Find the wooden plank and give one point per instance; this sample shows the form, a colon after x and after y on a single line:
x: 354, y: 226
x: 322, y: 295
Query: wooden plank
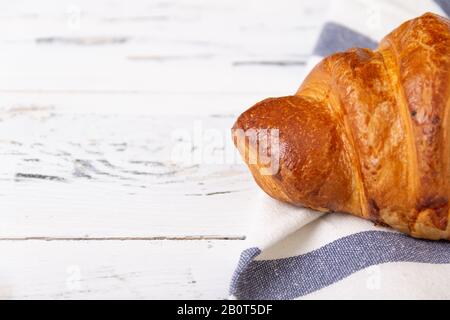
x: 214, y: 104
x: 117, y: 269
x: 191, y: 47
x: 97, y: 175
x: 66, y: 74
x: 229, y: 23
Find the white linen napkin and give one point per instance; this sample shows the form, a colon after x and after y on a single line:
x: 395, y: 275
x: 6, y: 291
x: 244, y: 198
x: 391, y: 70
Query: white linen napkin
x: 298, y: 253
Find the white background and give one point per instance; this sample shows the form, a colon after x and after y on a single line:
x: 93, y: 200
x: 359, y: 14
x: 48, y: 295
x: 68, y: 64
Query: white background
x: 96, y: 100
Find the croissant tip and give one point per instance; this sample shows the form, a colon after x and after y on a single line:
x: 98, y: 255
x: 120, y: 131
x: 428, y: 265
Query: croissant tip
x: 430, y: 15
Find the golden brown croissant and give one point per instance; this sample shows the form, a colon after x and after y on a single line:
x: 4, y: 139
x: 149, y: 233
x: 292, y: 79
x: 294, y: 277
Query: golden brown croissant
x: 367, y: 133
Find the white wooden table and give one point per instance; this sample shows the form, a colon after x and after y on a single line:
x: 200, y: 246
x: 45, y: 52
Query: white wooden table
x: 110, y: 186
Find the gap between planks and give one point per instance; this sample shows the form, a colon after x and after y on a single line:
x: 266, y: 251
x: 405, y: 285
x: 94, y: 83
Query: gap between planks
x: 152, y: 238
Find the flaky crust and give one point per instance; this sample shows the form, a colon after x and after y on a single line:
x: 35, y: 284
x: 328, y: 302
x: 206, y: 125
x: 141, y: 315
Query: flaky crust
x: 367, y: 133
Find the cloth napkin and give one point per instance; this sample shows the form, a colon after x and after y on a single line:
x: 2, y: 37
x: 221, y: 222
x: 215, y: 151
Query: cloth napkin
x: 297, y: 253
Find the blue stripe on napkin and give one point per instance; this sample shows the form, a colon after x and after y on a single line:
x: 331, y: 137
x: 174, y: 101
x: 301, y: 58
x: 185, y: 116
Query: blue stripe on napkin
x: 293, y: 277
x: 335, y: 37
x: 445, y: 5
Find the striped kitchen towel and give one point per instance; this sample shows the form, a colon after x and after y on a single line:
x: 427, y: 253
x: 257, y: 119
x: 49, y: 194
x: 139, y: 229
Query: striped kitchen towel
x: 297, y: 253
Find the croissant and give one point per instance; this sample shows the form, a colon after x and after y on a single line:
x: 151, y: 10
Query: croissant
x: 367, y: 133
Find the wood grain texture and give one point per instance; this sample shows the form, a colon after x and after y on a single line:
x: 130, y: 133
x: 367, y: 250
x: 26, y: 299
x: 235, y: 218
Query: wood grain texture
x: 98, y: 176
x: 117, y: 269
x: 95, y: 96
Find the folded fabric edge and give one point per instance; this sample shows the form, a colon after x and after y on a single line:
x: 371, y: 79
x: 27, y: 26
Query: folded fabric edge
x: 294, y: 277
x: 273, y: 221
